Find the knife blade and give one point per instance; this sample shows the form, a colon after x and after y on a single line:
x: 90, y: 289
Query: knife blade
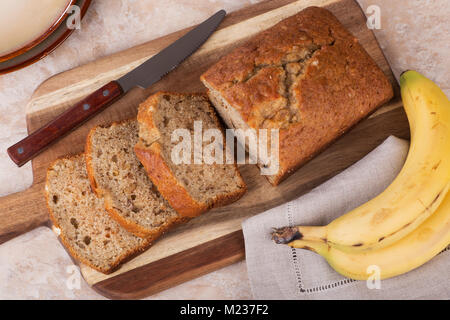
x: 148, y: 73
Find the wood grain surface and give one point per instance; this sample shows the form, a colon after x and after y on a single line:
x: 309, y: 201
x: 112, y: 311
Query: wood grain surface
x: 214, y: 239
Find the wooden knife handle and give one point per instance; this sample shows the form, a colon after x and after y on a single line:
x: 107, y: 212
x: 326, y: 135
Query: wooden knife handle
x: 35, y: 143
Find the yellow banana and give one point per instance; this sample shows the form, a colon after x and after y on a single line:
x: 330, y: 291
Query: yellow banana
x: 412, y: 251
x: 416, y: 192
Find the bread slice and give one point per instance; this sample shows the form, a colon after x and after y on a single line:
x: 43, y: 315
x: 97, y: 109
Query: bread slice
x: 80, y: 219
x: 307, y: 77
x: 117, y: 176
x: 191, y: 189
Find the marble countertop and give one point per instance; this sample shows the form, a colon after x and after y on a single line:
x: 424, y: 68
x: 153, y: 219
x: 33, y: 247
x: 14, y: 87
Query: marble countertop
x: 414, y: 34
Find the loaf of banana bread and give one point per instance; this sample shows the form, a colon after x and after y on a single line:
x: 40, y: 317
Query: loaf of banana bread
x: 307, y: 76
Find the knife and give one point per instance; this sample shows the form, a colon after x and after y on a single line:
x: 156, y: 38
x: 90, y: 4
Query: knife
x: 143, y: 76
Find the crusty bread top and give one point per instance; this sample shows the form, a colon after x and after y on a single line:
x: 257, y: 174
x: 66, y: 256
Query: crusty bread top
x: 307, y: 76
x: 335, y: 70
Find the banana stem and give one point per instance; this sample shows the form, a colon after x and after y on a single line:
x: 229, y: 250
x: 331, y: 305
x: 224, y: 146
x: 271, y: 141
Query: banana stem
x: 285, y: 235
x: 289, y: 234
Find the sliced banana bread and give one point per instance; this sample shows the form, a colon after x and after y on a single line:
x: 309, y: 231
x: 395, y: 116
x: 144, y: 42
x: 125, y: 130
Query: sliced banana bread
x: 80, y: 219
x: 117, y: 176
x: 190, y: 188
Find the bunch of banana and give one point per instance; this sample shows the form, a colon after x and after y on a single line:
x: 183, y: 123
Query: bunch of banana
x: 407, y: 224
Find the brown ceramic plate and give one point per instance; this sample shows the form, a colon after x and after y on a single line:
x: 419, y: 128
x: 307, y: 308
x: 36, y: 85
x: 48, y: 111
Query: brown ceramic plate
x: 51, y: 40
x: 34, y: 42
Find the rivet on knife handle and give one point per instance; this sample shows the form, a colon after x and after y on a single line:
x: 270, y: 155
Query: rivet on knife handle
x: 28, y: 148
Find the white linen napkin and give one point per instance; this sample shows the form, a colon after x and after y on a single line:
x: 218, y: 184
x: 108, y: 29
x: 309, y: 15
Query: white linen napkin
x: 280, y: 272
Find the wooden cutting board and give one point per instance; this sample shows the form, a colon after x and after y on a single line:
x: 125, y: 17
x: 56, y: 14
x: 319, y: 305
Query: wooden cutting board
x: 215, y: 239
